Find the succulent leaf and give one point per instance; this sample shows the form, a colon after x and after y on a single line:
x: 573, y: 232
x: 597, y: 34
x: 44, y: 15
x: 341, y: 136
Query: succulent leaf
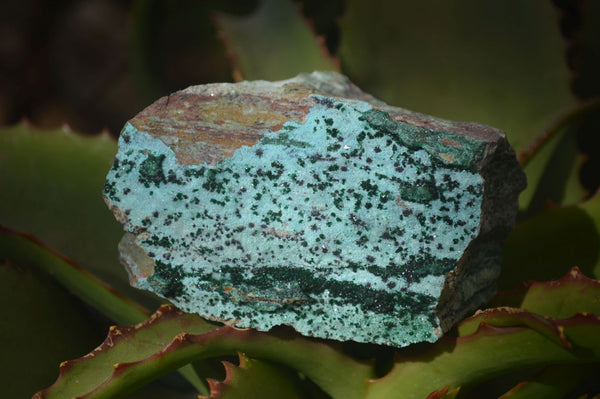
x: 479, y: 74
x: 167, y: 37
x: 122, y: 347
x: 401, y: 72
x: 444, y: 393
x: 274, y: 42
x: 511, y: 317
x: 553, y: 382
x: 549, y: 244
x: 131, y: 356
x: 573, y: 293
x: 255, y: 378
x: 26, y: 250
x: 458, y: 361
x: 51, y: 184
x: 51, y: 188
x: 552, y: 165
x: 42, y: 324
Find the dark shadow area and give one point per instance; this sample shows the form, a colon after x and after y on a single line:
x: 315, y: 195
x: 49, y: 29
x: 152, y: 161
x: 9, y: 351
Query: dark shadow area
x: 546, y: 246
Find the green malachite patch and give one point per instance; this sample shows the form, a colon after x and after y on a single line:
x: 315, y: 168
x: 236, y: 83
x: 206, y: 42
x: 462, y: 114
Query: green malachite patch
x: 344, y: 223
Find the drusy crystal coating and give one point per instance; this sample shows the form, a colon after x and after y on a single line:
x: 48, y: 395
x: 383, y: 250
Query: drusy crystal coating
x: 309, y: 203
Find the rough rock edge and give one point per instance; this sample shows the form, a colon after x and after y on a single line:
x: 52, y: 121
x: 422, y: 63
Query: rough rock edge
x: 480, y: 264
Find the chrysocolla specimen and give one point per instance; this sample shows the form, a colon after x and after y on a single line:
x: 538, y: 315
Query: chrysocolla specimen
x: 309, y: 203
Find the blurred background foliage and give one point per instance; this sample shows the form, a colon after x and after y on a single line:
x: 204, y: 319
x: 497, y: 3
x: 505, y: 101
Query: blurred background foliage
x: 94, y: 64
x: 529, y: 68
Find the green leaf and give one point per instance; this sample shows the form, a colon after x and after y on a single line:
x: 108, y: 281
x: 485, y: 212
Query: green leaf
x: 548, y: 245
x: 459, y: 362
x: 553, y: 161
x: 563, y: 336
x: 500, y: 64
x: 273, y: 43
x: 51, y: 184
x: 124, y: 345
x: 26, y: 250
x: 52, y: 187
x: 41, y: 326
x: 511, y: 317
x: 174, y: 45
x: 574, y: 293
x: 444, y: 393
x: 132, y: 356
x: 255, y: 378
x: 554, y: 382
x: 553, y: 174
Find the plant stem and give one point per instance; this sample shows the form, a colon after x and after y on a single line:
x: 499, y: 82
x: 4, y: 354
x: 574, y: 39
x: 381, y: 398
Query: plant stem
x: 574, y: 113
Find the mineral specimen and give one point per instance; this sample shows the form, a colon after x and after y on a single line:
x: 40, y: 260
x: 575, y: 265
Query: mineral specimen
x: 309, y: 203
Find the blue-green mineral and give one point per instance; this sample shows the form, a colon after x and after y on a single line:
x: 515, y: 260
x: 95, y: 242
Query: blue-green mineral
x: 309, y: 203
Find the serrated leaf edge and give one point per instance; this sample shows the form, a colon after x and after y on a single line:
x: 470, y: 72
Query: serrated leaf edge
x: 444, y: 393
x: 180, y: 341
x: 216, y: 386
x: 487, y: 330
x: 237, y: 74
x: 573, y: 276
x: 514, y: 317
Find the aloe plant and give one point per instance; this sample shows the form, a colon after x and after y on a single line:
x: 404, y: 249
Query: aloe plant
x: 537, y: 338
